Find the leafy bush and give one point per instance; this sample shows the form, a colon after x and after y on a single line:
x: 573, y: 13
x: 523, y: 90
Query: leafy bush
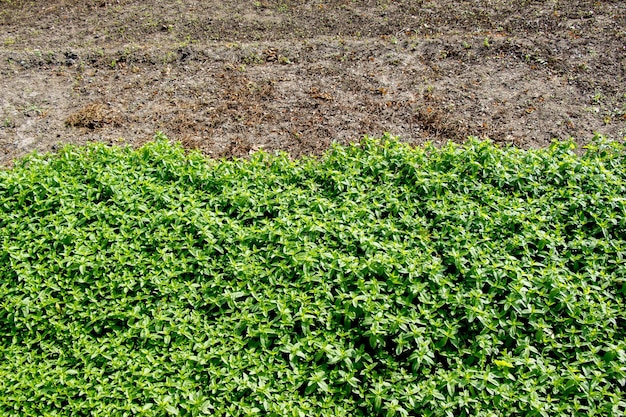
x: 380, y: 280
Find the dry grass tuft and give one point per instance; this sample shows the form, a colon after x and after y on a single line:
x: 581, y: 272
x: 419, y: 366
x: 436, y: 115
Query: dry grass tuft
x: 93, y: 116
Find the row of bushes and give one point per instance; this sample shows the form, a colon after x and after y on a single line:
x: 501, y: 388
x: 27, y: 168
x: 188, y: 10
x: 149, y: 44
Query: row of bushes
x: 378, y: 280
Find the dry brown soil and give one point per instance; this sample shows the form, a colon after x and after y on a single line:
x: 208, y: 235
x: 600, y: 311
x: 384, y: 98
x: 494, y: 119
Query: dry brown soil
x: 231, y: 77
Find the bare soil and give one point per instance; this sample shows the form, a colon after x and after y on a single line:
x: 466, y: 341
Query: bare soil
x: 232, y: 77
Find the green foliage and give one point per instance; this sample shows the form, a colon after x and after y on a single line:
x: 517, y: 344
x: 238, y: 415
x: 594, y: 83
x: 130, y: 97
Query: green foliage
x: 380, y: 280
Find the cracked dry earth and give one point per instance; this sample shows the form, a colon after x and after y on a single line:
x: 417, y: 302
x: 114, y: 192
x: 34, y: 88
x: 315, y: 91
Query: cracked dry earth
x: 232, y: 77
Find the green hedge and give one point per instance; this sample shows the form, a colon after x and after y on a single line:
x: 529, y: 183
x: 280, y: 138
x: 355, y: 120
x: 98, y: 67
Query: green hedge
x: 379, y: 280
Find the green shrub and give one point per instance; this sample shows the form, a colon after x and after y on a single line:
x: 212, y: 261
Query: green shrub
x: 380, y: 280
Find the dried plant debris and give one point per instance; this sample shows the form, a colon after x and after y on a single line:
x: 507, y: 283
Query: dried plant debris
x: 93, y: 116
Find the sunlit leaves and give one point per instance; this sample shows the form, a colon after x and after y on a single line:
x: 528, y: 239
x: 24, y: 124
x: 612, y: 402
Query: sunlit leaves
x: 379, y: 280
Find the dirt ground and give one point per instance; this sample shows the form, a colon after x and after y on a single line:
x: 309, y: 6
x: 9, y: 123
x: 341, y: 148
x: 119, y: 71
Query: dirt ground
x: 232, y: 77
